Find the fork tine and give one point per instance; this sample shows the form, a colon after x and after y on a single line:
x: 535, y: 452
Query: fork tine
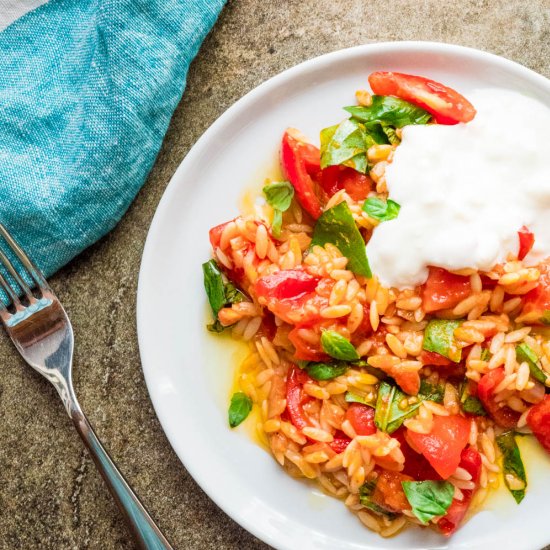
x: 9, y: 266
x: 35, y: 273
x: 6, y: 287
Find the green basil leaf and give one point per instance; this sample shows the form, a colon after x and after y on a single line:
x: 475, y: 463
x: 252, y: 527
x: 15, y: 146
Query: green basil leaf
x: 214, y: 285
x: 326, y: 371
x: 391, y: 135
x: 337, y: 226
x: 351, y: 397
x: 365, y: 498
x: 216, y: 327
x: 277, y: 223
x: 512, y: 465
x: 429, y: 499
x: 338, y: 347
x: 524, y: 352
x: 485, y: 354
x: 389, y: 411
x: 239, y: 409
x: 390, y: 110
x: 279, y: 195
x: 439, y: 337
x: 232, y: 294
x: 376, y: 134
x: 431, y: 392
x: 545, y: 317
x: 472, y: 405
x: 381, y: 210
x: 346, y: 144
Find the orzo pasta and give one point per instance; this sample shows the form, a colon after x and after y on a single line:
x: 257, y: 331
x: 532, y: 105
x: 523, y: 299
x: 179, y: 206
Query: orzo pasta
x: 401, y: 402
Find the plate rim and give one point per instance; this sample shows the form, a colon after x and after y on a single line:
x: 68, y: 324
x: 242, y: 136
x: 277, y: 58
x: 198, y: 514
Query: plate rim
x: 148, y: 251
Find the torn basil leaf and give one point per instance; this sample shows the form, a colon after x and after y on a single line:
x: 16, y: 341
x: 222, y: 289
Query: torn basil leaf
x: 512, y: 466
x: 351, y: 397
x: 219, y: 292
x: 337, y: 226
x: 278, y: 195
x: 381, y: 210
x: 239, y: 408
x: 346, y: 144
x: 338, y: 347
x: 326, y: 371
x: 545, y: 317
x: 365, y: 498
x: 429, y: 499
x: 391, y: 111
x: 485, y: 354
x: 214, y: 285
x: 439, y: 337
x: 392, y: 408
x: 470, y: 403
x: 524, y: 352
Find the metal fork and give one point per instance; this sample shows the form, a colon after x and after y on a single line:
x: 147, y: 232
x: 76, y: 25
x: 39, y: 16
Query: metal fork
x: 42, y: 333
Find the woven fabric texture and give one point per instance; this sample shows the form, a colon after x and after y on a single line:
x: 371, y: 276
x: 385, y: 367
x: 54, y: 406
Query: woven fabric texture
x: 86, y: 94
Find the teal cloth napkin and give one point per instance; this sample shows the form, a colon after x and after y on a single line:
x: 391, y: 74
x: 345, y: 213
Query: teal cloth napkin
x: 87, y: 89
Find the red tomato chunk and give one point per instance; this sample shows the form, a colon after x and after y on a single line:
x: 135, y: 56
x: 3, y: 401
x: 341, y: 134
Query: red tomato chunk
x: 444, y: 290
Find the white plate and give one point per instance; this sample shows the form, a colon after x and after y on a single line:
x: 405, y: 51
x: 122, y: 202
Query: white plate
x: 189, y: 372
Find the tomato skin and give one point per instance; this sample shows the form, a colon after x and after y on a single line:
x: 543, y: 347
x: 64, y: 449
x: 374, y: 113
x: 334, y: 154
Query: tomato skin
x: 299, y: 161
x: 340, y: 442
x: 287, y: 283
x: 504, y: 416
x: 445, y: 104
x: 470, y: 460
x: 416, y: 464
x: 356, y: 185
x: 287, y: 291
x: 388, y: 492
x: 294, y: 396
x: 443, y: 290
x: 434, y: 359
x: 536, y: 301
x: 361, y: 418
x: 538, y: 420
x: 444, y: 444
x: 526, y: 242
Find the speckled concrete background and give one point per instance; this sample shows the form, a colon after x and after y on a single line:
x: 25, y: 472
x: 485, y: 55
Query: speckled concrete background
x: 51, y: 496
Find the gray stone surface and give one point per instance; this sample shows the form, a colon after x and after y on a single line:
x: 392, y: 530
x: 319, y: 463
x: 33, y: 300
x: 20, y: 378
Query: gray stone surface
x: 50, y: 494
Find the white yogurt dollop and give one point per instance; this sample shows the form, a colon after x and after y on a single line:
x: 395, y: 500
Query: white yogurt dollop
x: 466, y: 190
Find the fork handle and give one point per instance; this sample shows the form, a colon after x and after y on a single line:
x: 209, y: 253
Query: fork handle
x: 146, y: 533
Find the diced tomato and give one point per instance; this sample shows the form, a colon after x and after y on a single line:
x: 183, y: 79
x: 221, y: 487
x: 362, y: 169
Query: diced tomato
x: 340, y: 442
x: 526, y: 242
x: 305, y: 351
x: 287, y: 291
x: 537, y: 301
x: 538, y: 420
x: 408, y: 381
x: 434, y: 359
x: 416, y: 464
x: 505, y: 416
x: 300, y: 161
x: 444, y: 290
x: 356, y: 184
x: 295, y: 396
x: 470, y: 460
x: 388, y: 492
x: 443, y: 445
x: 445, y: 104
x: 361, y: 418
x: 216, y: 232
x: 287, y: 283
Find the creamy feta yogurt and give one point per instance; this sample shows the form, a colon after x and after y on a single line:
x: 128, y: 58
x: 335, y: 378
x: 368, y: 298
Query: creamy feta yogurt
x: 466, y: 190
